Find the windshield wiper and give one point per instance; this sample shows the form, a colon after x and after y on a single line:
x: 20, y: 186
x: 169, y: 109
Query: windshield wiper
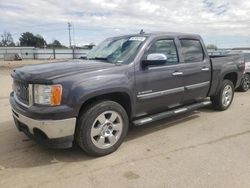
x: 106, y: 59
x: 101, y: 58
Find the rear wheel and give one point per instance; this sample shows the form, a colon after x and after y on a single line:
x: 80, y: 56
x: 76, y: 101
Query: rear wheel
x: 102, y: 128
x: 245, y: 83
x: 224, y: 98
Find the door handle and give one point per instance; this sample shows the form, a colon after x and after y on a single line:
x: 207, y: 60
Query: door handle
x: 205, y: 69
x: 177, y: 73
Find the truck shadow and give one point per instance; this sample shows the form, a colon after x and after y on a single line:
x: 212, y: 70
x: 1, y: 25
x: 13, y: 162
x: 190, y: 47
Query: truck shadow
x: 136, y: 132
x: 17, y: 151
x: 209, y: 109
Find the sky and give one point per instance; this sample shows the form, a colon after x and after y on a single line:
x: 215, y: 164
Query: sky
x: 225, y: 23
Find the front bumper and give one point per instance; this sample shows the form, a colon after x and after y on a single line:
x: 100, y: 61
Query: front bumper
x: 53, y: 133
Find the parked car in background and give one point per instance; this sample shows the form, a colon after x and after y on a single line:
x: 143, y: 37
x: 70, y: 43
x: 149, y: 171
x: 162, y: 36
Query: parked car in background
x: 132, y: 79
x: 246, y: 79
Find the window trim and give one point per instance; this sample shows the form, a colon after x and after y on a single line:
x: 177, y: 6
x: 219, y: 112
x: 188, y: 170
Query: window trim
x: 176, y: 49
x: 203, y: 52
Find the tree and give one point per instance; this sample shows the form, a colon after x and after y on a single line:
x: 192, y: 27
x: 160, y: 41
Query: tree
x: 56, y: 44
x: 28, y: 39
x: 7, y: 39
x: 89, y: 46
x: 212, y: 47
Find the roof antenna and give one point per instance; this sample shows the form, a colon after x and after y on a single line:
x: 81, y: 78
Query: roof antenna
x: 142, y: 32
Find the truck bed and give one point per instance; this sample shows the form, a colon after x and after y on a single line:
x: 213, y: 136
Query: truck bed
x: 228, y: 63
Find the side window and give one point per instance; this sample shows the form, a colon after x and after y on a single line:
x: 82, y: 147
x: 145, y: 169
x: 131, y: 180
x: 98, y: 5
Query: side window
x: 192, y: 50
x: 166, y: 47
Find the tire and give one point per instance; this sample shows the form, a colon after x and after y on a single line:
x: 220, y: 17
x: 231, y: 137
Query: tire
x: 245, y: 83
x: 101, y: 128
x: 225, y: 96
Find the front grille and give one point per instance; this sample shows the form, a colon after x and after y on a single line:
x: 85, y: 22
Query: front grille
x: 21, y: 90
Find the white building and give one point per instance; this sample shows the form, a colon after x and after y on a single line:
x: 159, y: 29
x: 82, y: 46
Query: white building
x: 8, y: 53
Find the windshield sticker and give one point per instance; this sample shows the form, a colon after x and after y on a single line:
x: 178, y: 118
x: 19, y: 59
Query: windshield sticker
x: 141, y: 39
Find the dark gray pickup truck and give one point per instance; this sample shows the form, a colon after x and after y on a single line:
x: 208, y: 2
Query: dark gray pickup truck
x: 127, y: 80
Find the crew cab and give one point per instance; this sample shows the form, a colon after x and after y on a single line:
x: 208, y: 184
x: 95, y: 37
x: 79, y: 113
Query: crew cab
x: 126, y: 80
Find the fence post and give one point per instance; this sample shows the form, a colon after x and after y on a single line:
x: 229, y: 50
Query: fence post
x: 54, y: 53
x: 73, y: 52
x: 34, y: 54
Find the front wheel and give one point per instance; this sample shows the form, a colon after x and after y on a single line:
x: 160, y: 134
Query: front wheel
x: 101, y: 128
x: 225, y: 96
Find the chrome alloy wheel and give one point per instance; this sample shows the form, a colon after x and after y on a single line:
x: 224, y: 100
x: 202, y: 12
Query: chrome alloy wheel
x: 106, y: 129
x: 227, y: 95
x: 246, y: 82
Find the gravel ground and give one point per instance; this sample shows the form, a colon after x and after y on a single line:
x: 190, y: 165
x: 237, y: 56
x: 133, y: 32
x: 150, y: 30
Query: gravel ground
x: 204, y: 148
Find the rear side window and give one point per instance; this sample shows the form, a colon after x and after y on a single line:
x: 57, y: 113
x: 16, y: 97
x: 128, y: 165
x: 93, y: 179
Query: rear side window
x: 192, y: 50
x: 167, y: 47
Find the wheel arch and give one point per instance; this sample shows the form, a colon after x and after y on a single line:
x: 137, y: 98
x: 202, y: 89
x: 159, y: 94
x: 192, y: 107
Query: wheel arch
x: 232, y: 76
x: 121, y: 97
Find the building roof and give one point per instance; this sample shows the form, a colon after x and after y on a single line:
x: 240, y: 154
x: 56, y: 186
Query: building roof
x: 16, y: 47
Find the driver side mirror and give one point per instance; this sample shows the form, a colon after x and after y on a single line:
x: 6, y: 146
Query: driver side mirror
x: 155, y: 59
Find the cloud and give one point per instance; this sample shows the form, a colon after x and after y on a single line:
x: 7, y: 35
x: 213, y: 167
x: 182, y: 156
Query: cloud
x: 94, y: 20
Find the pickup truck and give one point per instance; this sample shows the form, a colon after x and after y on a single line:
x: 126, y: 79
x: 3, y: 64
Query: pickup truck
x: 246, y: 78
x: 126, y: 80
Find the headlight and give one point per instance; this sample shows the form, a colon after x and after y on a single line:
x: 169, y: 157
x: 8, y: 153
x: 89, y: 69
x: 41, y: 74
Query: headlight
x: 48, y: 94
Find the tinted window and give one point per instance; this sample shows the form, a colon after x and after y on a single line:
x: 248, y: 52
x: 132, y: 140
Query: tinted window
x: 166, y: 47
x: 191, y: 50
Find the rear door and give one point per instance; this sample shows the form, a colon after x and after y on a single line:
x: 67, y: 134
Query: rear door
x: 159, y: 87
x: 196, y: 70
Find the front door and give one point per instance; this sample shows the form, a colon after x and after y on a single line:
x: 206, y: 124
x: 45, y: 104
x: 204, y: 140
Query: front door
x: 159, y: 87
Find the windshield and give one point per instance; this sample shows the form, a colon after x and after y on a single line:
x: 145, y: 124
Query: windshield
x: 116, y: 50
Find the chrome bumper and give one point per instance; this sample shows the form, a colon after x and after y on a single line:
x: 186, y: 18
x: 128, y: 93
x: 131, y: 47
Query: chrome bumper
x: 52, y: 128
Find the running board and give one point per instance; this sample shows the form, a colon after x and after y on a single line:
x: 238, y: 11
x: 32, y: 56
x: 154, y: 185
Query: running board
x: 170, y: 113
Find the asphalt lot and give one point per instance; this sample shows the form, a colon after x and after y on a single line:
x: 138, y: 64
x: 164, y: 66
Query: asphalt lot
x: 204, y: 148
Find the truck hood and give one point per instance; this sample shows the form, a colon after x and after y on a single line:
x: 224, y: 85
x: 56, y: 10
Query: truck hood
x: 50, y: 71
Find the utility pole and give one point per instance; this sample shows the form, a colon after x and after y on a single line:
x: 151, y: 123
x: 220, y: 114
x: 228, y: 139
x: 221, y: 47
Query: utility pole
x: 74, y: 35
x: 69, y: 28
